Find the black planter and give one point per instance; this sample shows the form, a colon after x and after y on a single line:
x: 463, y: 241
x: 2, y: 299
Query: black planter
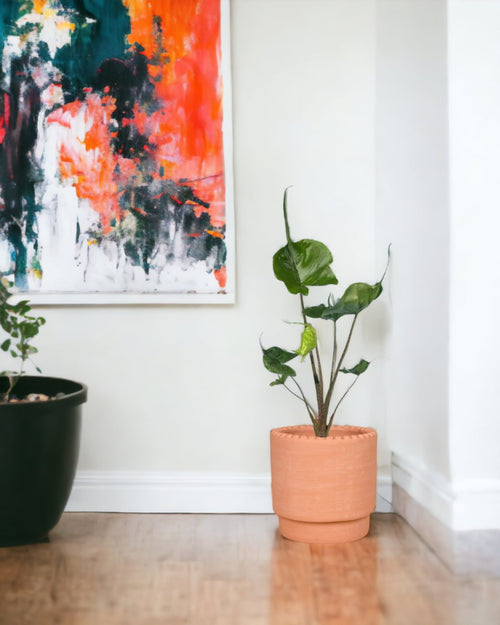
x: 39, y: 445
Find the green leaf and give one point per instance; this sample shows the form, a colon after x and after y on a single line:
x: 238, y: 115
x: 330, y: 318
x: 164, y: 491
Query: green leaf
x: 280, y: 380
x: 308, y: 341
x: 19, y: 324
x: 303, y: 263
x: 274, y: 359
x: 315, y: 312
x: 356, y: 298
x: 22, y: 308
x: 360, y: 368
x: 29, y: 329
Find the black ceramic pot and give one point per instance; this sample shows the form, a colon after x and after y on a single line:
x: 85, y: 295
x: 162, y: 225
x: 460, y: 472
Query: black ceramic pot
x: 39, y: 446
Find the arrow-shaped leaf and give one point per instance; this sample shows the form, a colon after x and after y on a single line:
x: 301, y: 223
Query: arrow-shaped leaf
x: 303, y: 263
x: 356, y: 298
x: 315, y: 312
x: 281, y: 380
x: 274, y: 359
x: 360, y: 368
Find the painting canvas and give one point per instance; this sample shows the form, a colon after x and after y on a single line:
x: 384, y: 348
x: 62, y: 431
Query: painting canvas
x: 115, y: 150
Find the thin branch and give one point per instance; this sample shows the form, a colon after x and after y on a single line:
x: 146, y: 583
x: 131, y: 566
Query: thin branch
x: 335, y: 349
x: 316, y: 348
x: 346, y: 346
x: 339, y: 364
x: 303, y: 398
x: 317, y: 371
x: 293, y: 393
x: 387, y: 264
x: 330, y: 421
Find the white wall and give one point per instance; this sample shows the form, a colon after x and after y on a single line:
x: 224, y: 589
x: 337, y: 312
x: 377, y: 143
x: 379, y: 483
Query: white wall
x: 413, y: 213
x: 180, y: 389
x: 438, y: 138
x: 474, y: 87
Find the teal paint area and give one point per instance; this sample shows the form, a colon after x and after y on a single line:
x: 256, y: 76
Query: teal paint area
x: 102, y: 27
x: 9, y: 12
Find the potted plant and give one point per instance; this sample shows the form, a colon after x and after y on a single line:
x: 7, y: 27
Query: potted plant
x: 40, y: 420
x: 323, y: 475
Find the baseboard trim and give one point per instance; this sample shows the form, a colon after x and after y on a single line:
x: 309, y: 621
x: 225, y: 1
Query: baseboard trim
x: 426, y: 487
x: 116, y: 491
x: 461, y: 506
x: 465, y: 553
x: 143, y: 492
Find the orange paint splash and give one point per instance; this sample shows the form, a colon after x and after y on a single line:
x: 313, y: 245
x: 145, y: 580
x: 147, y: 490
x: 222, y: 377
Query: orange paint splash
x: 214, y: 233
x: 39, y: 5
x: 90, y: 163
x: 221, y: 276
x: 182, y: 43
x: 66, y: 26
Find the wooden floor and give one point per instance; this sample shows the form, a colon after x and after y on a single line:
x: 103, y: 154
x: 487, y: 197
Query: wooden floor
x: 102, y: 569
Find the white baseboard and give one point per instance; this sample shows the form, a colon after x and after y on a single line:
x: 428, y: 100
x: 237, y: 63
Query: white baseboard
x: 384, y: 491
x: 117, y: 491
x: 427, y: 488
x: 466, y: 553
x: 461, y: 506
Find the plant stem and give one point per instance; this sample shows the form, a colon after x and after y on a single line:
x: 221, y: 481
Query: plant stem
x: 330, y: 421
x: 303, y: 398
x: 317, y: 371
x: 12, y: 382
x: 339, y: 364
x: 335, y: 349
x: 346, y: 347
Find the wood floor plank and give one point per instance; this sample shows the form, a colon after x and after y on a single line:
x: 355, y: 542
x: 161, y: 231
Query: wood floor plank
x: 121, y: 569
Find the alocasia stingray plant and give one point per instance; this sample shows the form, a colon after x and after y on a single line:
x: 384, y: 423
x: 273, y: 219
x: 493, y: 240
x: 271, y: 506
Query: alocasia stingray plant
x: 300, y: 265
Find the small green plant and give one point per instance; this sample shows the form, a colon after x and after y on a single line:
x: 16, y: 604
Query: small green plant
x: 21, y: 327
x: 300, y: 265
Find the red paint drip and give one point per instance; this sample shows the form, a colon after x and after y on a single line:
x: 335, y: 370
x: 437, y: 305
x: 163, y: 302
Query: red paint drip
x: 4, y: 119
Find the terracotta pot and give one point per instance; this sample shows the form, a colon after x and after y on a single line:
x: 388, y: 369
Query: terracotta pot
x: 324, y: 489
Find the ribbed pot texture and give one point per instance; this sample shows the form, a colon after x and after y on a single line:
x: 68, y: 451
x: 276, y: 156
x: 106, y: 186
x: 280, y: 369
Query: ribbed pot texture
x: 324, y: 489
x: 39, y: 445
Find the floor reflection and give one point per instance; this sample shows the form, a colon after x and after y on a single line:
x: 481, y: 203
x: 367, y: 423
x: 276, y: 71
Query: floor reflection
x: 125, y: 569
x: 324, y: 584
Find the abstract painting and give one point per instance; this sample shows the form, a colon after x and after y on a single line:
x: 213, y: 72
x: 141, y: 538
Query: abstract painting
x: 115, y: 150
